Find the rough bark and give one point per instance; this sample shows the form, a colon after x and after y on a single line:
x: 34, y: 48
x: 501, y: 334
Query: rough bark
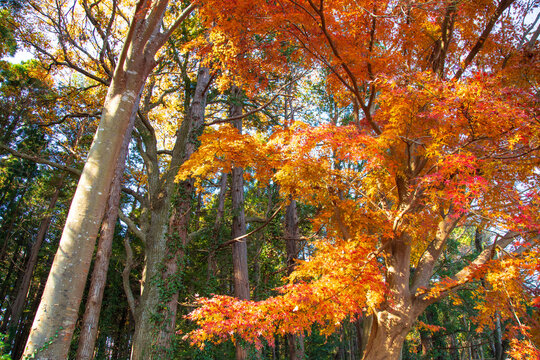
x: 171, y: 278
x: 56, y: 317
x: 363, y: 328
x: 89, y: 327
x: 151, y: 339
x: 295, y: 342
x: 212, y: 264
x: 239, y: 248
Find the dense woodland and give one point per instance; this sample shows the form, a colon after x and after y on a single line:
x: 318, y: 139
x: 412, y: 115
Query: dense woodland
x: 270, y: 179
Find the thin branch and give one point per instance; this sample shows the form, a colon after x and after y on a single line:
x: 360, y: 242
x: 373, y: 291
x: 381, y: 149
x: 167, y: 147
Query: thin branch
x: 39, y: 160
x: 131, y: 225
x: 464, y: 275
x: 125, y: 276
x: 241, y: 238
x: 254, y: 111
x: 69, y: 169
x: 180, y: 19
x: 503, y: 5
x: 65, y: 117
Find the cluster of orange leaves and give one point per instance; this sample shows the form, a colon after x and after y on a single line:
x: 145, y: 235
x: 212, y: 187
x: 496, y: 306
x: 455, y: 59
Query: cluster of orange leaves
x: 476, y: 137
x: 325, y: 290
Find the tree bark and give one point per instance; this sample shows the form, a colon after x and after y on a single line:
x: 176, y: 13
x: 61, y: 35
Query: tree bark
x: 154, y: 326
x: 239, y: 248
x: 89, y: 327
x: 53, y: 326
x: 394, y: 318
x: 388, y: 333
x: 4, y: 289
x: 212, y: 265
x: 292, y: 236
x: 23, y: 329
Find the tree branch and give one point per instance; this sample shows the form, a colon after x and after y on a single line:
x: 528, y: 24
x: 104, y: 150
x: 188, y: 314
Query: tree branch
x: 464, y: 275
x: 69, y: 169
x: 39, y: 160
x: 125, y: 276
x: 240, y: 238
x: 503, y: 5
x: 131, y: 225
x: 262, y: 107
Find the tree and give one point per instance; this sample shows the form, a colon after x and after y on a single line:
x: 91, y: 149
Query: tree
x: 55, y: 321
x: 439, y: 139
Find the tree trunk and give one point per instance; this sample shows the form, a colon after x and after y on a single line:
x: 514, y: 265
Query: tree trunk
x: 120, y: 334
x: 387, y: 335
x: 212, y: 264
x: 58, y: 310
x: 171, y: 278
x: 394, y: 318
x: 149, y: 336
x: 22, y: 293
x: 89, y: 327
x: 292, y: 236
x: 4, y: 289
x: 55, y: 321
x: 239, y: 248
x: 18, y: 304
x: 26, y: 323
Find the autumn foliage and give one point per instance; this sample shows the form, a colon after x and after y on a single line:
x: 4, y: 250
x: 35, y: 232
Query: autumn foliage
x: 441, y: 142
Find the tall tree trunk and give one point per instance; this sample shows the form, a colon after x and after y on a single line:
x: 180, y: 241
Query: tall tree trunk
x: 212, y: 264
x: 89, y: 327
x: 18, y: 304
x: 15, y: 204
x: 26, y: 323
x: 19, y: 264
x: 363, y: 328
x: 53, y: 327
x: 292, y: 236
x: 153, y: 325
x: 239, y: 248
x: 4, y: 289
x: 171, y: 278
x: 22, y: 293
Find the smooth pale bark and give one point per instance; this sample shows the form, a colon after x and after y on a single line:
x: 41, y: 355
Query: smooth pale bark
x: 239, y: 248
x: 53, y: 326
x: 152, y: 337
x: 292, y: 237
x: 89, y: 327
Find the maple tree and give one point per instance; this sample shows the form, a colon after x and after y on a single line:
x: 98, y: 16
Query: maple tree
x: 444, y: 136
